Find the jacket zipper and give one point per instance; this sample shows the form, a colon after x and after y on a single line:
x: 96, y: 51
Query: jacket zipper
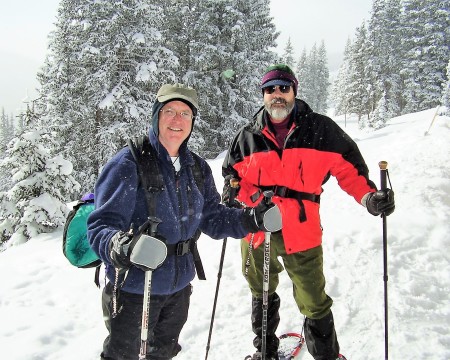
x: 180, y: 212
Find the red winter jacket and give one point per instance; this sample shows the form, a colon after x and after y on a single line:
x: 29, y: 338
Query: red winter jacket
x: 315, y: 148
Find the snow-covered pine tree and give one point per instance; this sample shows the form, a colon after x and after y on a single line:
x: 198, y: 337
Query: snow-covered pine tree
x: 302, y: 74
x: 6, y: 131
x: 313, y: 77
x: 34, y: 204
x: 288, y: 55
x: 105, y: 64
x: 250, y: 50
x: 322, y: 79
x: 341, y: 85
x: 222, y: 48
x: 385, y: 55
x: 6, y: 134
x: 446, y: 92
x: 309, y: 85
x: 426, y: 37
x: 361, y: 86
x: 378, y: 117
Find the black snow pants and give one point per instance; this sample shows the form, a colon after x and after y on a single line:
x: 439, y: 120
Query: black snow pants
x: 168, y: 314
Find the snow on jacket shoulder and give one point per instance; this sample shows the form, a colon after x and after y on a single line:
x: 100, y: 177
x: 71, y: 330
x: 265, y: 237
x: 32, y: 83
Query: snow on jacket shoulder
x: 315, y: 148
x: 182, y: 207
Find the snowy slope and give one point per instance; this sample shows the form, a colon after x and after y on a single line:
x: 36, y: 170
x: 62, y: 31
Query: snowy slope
x: 51, y: 310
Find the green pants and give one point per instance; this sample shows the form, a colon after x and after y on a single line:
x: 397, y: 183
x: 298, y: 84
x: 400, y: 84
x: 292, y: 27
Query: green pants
x: 304, y: 268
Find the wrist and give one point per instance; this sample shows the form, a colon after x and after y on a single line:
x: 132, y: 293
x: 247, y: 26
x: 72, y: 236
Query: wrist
x: 118, y: 249
x: 364, y: 199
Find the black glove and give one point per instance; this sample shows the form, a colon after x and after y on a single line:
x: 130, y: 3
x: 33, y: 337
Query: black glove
x: 381, y: 201
x: 265, y: 217
x: 229, y: 193
x: 119, y: 249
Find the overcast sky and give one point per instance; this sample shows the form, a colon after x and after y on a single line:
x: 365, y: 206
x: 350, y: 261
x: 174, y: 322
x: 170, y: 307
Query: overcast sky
x: 25, y: 24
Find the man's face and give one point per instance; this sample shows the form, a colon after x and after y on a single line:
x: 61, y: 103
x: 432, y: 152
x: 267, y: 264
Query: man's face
x: 175, y: 125
x: 279, y: 101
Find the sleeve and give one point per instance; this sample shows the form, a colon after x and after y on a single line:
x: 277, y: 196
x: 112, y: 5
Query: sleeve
x: 350, y: 169
x: 219, y: 221
x: 115, y: 200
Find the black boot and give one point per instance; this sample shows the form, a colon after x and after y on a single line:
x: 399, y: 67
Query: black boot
x: 273, y: 319
x: 321, y: 339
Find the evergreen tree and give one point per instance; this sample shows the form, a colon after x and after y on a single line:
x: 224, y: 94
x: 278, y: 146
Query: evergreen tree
x: 313, y: 78
x: 6, y: 131
x: 34, y: 204
x: 384, y: 39
x: 322, y: 79
x: 426, y: 34
x: 105, y: 64
x: 6, y: 134
x: 341, y: 86
x: 222, y: 48
x: 377, y: 118
x: 288, y: 55
x: 361, y: 87
x: 310, y: 86
x: 446, y: 91
x: 302, y: 74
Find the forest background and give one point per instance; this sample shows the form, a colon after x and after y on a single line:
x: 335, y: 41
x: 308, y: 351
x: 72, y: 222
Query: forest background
x: 106, y: 60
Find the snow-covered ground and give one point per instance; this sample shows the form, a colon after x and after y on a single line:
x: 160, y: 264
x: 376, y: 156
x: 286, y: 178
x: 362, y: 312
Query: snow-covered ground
x: 51, y: 310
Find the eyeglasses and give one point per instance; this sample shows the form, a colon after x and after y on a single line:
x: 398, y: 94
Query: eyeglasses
x: 283, y: 88
x: 171, y: 113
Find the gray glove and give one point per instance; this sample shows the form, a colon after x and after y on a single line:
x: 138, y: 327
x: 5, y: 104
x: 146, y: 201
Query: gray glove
x: 381, y: 201
x: 265, y: 217
x: 143, y: 251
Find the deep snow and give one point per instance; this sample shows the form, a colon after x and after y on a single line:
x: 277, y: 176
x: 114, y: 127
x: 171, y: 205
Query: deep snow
x: 51, y: 310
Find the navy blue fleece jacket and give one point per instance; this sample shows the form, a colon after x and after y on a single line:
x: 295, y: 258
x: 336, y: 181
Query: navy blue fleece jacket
x: 182, y: 207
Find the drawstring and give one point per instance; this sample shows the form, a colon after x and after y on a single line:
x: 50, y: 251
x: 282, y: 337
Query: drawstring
x: 116, y: 311
x: 250, y: 250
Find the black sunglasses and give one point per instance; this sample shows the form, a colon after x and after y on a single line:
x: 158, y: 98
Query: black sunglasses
x: 283, y: 88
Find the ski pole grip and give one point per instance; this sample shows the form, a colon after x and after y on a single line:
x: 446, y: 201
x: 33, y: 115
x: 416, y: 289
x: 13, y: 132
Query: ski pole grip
x: 383, y: 170
x: 268, y: 194
x: 234, y: 185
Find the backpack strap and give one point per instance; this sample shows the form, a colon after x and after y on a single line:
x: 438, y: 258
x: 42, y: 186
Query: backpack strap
x: 148, y: 169
x: 197, y: 172
x: 152, y: 182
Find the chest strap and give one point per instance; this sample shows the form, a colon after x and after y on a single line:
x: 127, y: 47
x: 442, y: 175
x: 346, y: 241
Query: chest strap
x: 185, y: 247
x: 285, y: 192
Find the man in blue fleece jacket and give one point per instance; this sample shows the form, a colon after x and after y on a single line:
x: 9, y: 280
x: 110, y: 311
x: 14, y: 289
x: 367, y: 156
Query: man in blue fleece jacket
x: 184, y: 209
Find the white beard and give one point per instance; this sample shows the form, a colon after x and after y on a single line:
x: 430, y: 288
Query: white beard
x: 278, y: 113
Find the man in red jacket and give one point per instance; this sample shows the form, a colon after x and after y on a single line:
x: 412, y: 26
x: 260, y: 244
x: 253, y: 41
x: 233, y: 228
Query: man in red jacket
x: 291, y: 150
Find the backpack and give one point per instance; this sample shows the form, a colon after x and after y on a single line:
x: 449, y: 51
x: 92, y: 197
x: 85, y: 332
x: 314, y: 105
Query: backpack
x: 76, y: 247
x: 75, y: 243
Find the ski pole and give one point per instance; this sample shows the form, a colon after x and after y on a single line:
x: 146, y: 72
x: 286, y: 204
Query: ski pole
x: 234, y: 183
x: 265, y: 304
x: 383, y: 183
x: 145, y: 315
x: 151, y: 252
x: 266, y: 267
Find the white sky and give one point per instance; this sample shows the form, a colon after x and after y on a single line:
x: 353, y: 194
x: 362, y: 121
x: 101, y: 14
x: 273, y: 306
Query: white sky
x: 51, y: 310
x: 25, y: 25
